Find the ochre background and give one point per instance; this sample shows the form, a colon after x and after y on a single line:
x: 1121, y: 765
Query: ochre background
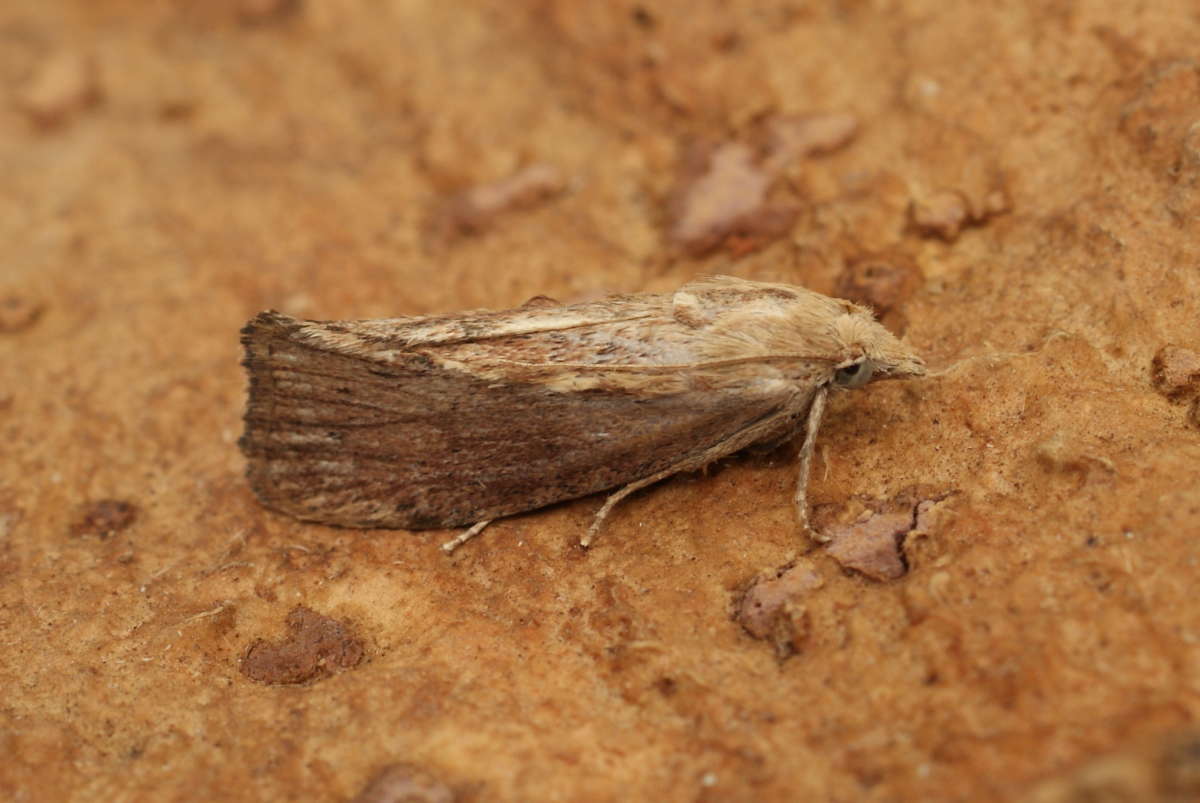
x: 171, y: 168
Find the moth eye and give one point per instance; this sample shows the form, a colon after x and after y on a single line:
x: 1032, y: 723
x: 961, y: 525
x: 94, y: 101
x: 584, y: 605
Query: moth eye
x: 854, y: 375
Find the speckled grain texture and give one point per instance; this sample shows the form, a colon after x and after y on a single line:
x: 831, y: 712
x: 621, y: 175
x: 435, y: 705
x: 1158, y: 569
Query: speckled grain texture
x: 172, y: 168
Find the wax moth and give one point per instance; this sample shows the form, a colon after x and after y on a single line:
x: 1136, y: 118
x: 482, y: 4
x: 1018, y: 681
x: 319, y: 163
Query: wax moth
x: 456, y: 420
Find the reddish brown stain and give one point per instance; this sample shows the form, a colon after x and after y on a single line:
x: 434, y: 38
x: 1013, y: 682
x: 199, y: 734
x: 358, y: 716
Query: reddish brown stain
x: 315, y: 647
x: 105, y: 517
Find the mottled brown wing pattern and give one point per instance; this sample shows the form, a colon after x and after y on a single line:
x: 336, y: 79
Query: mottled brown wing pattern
x: 351, y: 440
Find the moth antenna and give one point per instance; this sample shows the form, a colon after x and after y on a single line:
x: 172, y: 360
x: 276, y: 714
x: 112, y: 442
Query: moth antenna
x: 954, y: 367
x: 811, y: 425
x: 465, y: 536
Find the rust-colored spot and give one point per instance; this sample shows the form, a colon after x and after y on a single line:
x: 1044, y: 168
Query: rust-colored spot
x: 315, y: 647
x: 1175, y: 372
x: 105, y: 517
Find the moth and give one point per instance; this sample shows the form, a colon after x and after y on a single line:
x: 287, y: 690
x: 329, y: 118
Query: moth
x: 457, y: 420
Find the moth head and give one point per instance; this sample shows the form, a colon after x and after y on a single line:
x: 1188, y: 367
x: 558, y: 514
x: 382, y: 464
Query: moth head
x: 869, y: 351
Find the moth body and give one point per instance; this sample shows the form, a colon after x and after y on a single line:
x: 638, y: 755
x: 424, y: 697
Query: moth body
x: 450, y: 421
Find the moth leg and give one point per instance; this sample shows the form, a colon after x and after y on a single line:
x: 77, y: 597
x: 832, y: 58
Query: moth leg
x: 465, y: 536
x: 735, y: 442
x: 614, y: 498
x: 811, y: 425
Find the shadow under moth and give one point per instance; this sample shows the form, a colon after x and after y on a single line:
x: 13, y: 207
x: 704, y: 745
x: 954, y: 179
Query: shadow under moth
x: 456, y: 420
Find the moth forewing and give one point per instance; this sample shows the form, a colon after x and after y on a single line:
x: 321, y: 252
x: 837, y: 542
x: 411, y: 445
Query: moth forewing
x: 454, y: 421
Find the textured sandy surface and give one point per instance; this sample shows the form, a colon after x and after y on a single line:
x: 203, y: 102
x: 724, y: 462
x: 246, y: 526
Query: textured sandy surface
x: 1019, y: 194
